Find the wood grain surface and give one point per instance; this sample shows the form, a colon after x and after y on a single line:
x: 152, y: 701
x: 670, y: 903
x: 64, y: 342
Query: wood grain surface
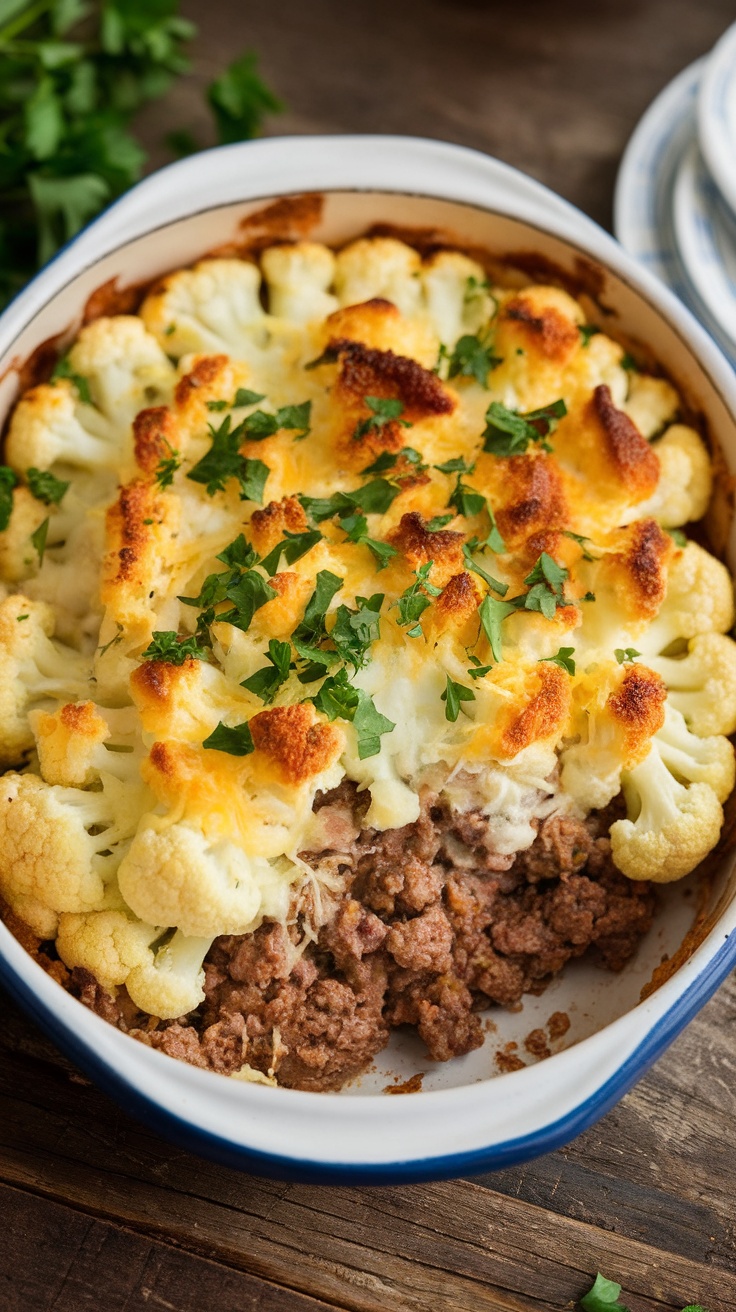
x: 98, y: 1213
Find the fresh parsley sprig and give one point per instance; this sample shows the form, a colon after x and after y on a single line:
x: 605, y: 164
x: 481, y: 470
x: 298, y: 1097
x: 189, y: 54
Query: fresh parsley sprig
x: 236, y: 740
x: 223, y: 461
x: 509, y: 433
x: 166, y: 645
x: 453, y: 697
x: 45, y: 487
x: 266, y: 682
x: 8, y: 480
x: 338, y: 699
x: 473, y: 357
x: 385, y: 410
x: 415, y: 599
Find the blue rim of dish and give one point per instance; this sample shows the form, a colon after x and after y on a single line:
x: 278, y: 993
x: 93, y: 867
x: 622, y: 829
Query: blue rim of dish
x: 190, y: 1136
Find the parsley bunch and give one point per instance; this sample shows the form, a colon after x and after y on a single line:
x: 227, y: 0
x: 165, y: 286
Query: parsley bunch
x: 508, y: 433
x: 73, y: 73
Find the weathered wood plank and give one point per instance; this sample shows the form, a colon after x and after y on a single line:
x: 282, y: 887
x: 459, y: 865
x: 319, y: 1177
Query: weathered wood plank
x: 460, y: 1244
x: 55, y: 1258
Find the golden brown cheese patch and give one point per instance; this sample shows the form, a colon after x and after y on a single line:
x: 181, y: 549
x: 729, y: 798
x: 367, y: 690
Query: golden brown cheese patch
x: 418, y: 546
x: 154, y: 436
x: 455, y: 608
x: 533, y: 498
x: 296, y: 744
x: 154, y: 684
x: 637, y: 706
x: 546, y: 330
x: 129, y: 536
x: 544, y: 714
x: 638, y: 571
x: 270, y: 525
x: 634, y: 460
x: 280, y: 616
x: 204, y: 374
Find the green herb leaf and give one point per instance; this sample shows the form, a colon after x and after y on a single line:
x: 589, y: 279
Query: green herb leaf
x: 385, y: 411
x: 374, y: 497
x: 414, y: 601
x: 564, y: 659
x: 355, y: 631
x: 266, y: 682
x: 329, y: 356
x: 216, y: 405
x: 240, y: 99
x: 629, y: 363
x: 581, y: 541
x: 466, y: 500
x: 509, y: 433
x: 337, y: 699
x: 388, y: 459
x: 292, y: 548
x: 8, y: 480
x: 625, y: 654
x: 63, y: 369
x: 297, y: 417
x: 370, y: 726
x: 472, y: 357
x: 603, y: 1297
x: 478, y: 671
x: 247, y: 593
x: 252, y: 478
x: 587, y: 330
x: 545, y: 586
x: 167, y: 467
x: 453, y: 696
x: 244, y: 396
x: 238, y: 553
x: 236, y: 741
x: 458, y: 465
x: 438, y: 522
x: 46, y: 487
x: 492, y: 614
x: 472, y: 564
x: 678, y: 537
x: 39, y: 540
x: 166, y: 645
x: 223, y: 461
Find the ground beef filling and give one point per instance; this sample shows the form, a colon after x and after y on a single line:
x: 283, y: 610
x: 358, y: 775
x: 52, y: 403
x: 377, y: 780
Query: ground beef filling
x: 431, y: 929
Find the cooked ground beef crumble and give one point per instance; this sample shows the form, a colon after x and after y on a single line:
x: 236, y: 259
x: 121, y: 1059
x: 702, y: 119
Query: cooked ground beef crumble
x: 420, y: 937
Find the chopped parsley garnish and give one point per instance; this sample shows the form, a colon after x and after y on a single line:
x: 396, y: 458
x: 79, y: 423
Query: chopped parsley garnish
x: 581, y: 541
x: 458, y: 465
x: 63, y: 369
x: 472, y: 357
x: 386, y: 410
x: 240, y: 584
x: 356, y: 527
x: 244, y: 396
x: 217, y: 405
x: 414, y: 601
x: 589, y: 596
x: 545, y: 587
x: 39, y: 539
x: 338, y: 699
x: 224, y: 461
x: 508, y: 433
x: 374, y: 497
x: 492, y: 614
x: 260, y: 425
x: 388, y: 459
x: 564, y: 659
x: 19, y: 618
x: 438, y: 522
x: 625, y: 654
x: 603, y: 1297
x: 329, y: 356
x: 355, y: 631
x: 236, y: 741
x: 587, y: 330
x: 166, y: 645
x: 465, y: 499
x: 8, y: 480
x: 477, y: 671
x: 629, y: 363
x: 292, y: 547
x: 45, y: 487
x: 453, y: 696
x: 311, y: 632
x: 167, y: 467
x: 266, y: 682
x: 678, y: 537
x: 472, y: 564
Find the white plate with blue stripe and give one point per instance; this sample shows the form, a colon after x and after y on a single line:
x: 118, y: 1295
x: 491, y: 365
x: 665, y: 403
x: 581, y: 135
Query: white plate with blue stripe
x: 643, y: 203
x: 705, y: 233
x: 717, y: 115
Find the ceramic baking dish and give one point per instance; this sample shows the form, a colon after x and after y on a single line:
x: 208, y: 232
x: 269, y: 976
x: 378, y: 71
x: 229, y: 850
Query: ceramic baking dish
x: 467, y: 1116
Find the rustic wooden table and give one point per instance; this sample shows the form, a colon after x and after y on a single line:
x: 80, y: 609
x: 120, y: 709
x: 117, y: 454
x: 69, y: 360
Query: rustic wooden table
x: 99, y: 1214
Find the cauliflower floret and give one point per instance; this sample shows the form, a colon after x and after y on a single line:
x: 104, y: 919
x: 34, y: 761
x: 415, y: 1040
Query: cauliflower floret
x: 700, y: 760
x: 50, y: 426
x: 651, y: 403
x: 78, y: 743
x: 125, y: 367
x: 383, y: 268
x: 60, y: 847
x: 699, y: 599
x: 299, y: 278
x: 177, y: 876
x: 18, y: 556
x: 703, y: 684
x: 214, y: 307
x: 33, y: 669
x: 456, y: 296
x: 162, y: 971
x: 685, y: 479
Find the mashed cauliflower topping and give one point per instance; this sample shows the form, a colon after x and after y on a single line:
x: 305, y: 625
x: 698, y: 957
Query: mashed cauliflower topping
x: 341, y: 515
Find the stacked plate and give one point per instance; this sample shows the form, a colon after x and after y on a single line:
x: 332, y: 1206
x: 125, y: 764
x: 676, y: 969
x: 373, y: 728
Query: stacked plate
x: 675, y: 206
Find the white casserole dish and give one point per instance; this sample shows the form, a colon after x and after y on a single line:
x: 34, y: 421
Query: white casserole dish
x: 467, y: 1116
